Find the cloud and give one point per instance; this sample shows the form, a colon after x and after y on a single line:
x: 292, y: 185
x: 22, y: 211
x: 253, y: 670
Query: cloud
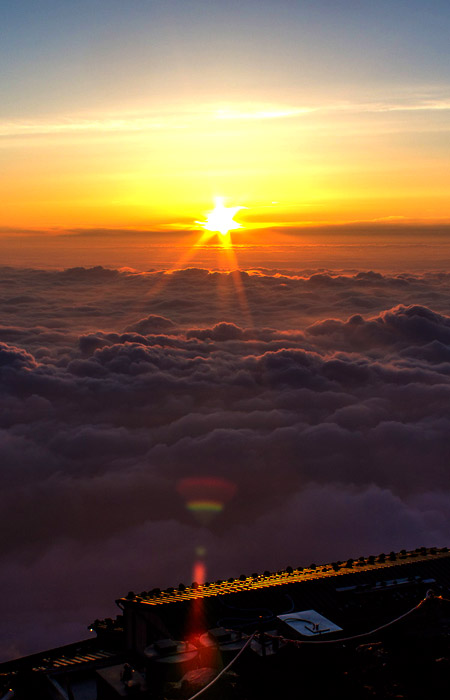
x: 152, y: 324
x: 129, y: 122
x: 324, y: 399
x: 399, y: 326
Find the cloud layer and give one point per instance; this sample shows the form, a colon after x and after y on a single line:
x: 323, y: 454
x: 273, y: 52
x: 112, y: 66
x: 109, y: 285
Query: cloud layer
x: 323, y: 397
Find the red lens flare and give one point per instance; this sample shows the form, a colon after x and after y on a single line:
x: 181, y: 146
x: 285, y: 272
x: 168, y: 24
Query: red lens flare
x: 199, y: 572
x: 206, y: 496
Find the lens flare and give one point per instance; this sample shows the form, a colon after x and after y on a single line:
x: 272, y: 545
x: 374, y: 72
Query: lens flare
x: 205, y: 496
x: 199, y: 572
x: 195, y: 619
x: 205, y: 506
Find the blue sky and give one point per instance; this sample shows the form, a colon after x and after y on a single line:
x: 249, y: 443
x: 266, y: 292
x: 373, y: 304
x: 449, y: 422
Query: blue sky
x: 60, y: 57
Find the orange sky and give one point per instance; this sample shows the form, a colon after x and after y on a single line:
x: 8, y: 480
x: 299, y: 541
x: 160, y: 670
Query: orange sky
x: 288, y: 167
x: 136, y: 116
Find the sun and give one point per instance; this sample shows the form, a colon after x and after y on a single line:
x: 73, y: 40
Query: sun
x: 221, y: 218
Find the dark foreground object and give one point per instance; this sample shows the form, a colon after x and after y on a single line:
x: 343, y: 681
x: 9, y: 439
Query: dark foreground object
x: 293, y: 632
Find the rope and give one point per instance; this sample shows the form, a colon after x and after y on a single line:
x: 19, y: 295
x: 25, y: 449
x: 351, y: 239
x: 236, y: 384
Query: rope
x: 439, y: 597
x: 224, y: 670
x: 428, y: 596
x: 355, y: 636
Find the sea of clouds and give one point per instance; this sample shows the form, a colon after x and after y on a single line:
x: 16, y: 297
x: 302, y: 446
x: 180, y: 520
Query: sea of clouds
x: 324, y: 397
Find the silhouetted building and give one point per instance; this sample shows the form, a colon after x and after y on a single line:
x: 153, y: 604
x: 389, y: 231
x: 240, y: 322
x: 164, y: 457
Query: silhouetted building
x: 379, y: 625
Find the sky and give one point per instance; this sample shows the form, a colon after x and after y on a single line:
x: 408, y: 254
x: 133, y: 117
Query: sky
x: 136, y: 114
x: 299, y: 365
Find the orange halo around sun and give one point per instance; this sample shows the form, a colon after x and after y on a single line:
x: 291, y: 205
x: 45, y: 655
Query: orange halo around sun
x: 221, y: 219
x: 218, y: 224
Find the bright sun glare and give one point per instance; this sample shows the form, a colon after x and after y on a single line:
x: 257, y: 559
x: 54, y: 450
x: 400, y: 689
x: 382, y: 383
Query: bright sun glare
x: 221, y: 218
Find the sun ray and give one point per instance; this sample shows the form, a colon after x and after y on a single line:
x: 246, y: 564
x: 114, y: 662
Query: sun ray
x: 218, y: 224
x: 235, y: 274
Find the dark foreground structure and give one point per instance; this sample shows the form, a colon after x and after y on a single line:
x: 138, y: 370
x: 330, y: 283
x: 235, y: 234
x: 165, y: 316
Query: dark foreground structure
x: 376, y: 627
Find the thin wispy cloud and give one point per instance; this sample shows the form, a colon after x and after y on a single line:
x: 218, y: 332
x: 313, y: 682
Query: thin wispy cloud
x: 70, y: 126
x: 185, y: 118
x: 419, y: 106
x: 271, y: 112
x: 142, y: 123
